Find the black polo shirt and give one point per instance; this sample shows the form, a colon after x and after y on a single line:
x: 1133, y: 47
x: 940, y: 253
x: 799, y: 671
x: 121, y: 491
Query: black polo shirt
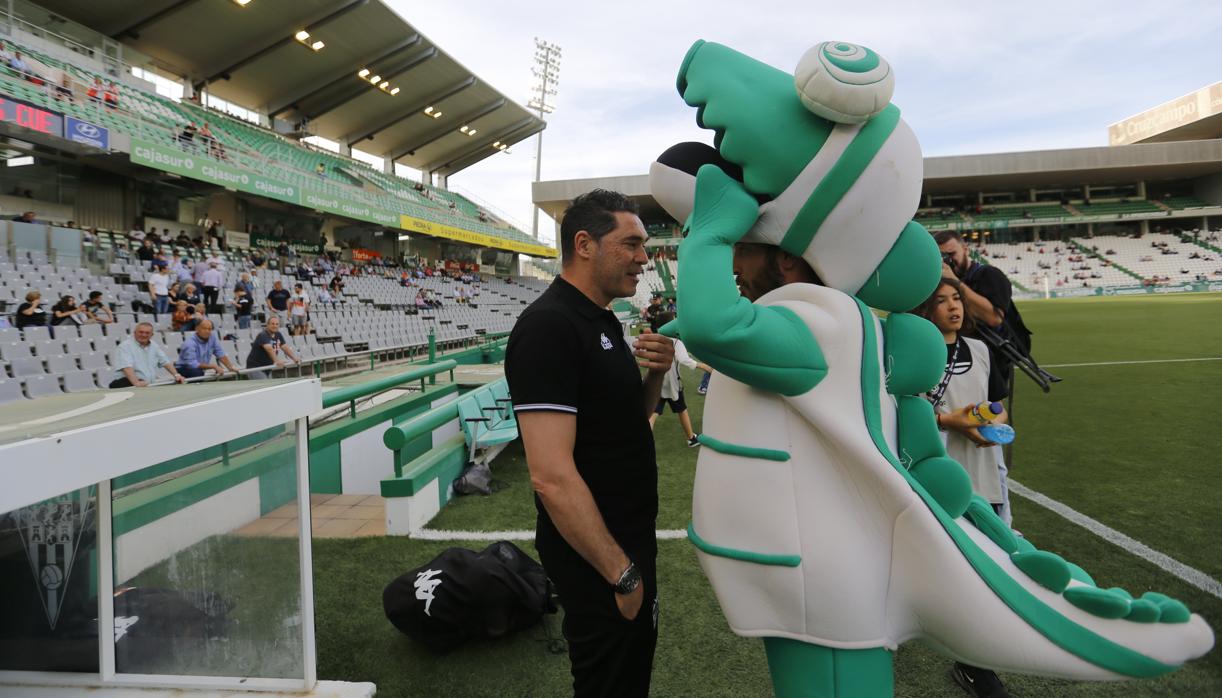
x: 566, y: 354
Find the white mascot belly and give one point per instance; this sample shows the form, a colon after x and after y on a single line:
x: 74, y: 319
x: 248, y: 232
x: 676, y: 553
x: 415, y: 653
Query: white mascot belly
x: 826, y: 514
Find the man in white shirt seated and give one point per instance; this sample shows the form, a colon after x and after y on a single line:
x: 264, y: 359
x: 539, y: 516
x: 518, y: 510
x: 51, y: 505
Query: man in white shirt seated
x: 138, y: 358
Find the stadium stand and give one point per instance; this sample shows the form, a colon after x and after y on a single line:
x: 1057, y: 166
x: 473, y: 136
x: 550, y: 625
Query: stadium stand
x: 374, y: 313
x: 152, y: 117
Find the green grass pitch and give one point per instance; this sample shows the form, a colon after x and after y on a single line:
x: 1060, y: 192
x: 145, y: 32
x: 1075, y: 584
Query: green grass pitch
x: 1134, y: 446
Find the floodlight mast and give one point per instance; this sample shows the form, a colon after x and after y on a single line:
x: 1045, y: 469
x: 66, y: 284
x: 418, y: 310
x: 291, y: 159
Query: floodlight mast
x: 547, y: 73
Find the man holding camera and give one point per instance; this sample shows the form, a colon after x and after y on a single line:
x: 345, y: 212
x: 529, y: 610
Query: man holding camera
x: 986, y: 296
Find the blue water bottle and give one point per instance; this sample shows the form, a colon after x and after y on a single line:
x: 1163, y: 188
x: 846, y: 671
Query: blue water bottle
x: 997, y: 433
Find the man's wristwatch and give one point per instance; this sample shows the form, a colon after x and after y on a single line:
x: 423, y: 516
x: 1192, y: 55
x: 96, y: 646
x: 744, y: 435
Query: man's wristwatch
x: 629, y: 580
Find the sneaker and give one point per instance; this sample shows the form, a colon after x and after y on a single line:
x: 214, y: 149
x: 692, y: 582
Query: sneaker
x: 978, y: 682
x: 694, y: 441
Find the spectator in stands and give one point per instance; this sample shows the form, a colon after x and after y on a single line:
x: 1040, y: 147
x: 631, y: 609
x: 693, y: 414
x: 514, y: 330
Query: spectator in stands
x: 184, y: 271
x: 205, y: 135
x: 174, y: 292
x: 257, y: 260
x: 159, y: 290
x: 183, y: 239
x: 96, y: 310
x: 247, y: 285
x: 201, y: 351
x: 26, y: 217
x: 266, y: 349
x: 192, y: 296
x: 242, y: 305
x: 186, y: 137
x: 197, y: 272
x: 299, y: 312
x: 26, y: 71
x: 137, y: 234
x: 324, y: 296
x: 96, y: 90
x: 277, y: 300
x: 321, y: 170
x: 137, y: 360
x: 64, y: 88
x: 30, y: 313
x: 184, y: 318
x: 111, y: 96
x: 146, y: 251
x: 422, y: 302
x: 67, y: 312
x: 213, y: 280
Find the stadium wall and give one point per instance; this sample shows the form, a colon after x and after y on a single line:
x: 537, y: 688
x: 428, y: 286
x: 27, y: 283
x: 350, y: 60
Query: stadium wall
x: 1209, y: 189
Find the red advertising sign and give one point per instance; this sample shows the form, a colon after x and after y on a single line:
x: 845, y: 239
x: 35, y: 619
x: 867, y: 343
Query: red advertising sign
x: 361, y: 254
x: 31, y: 117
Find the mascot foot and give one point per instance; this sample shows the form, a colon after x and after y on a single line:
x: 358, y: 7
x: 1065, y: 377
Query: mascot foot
x: 804, y: 670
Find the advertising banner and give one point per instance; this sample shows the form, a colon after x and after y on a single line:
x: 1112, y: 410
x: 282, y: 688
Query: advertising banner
x: 236, y: 239
x: 84, y: 132
x: 31, y: 117
x: 361, y: 254
x: 171, y: 159
x: 449, y: 232
x: 272, y: 243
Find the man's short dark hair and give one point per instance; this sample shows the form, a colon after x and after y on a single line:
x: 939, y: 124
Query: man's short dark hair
x: 594, y: 213
x: 94, y: 295
x: 942, y: 236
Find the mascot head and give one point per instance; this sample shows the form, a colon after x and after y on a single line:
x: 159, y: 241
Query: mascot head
x: 837, y: 171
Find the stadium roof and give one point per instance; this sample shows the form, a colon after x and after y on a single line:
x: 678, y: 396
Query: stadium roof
x: 1149, y: 162
x: 250, y: 56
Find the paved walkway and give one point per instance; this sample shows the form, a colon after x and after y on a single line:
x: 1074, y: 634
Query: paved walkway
x: 331, y: 516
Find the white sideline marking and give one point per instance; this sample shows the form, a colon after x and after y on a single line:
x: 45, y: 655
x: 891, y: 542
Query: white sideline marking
x: 444, y: 535
x: 1193, y: 576
x: 1126, y: 363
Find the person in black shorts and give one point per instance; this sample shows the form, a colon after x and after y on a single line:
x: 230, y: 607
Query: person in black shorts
x: 583, y: 408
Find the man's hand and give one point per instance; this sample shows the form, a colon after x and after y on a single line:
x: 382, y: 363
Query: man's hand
x: 947, y: 272
x: 654, y: 352
x: 178, y: 378
x: 140, y: 383
x: 630, y: 604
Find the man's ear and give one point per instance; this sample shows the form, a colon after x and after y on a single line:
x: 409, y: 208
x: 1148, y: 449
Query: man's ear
x: 583, y: 244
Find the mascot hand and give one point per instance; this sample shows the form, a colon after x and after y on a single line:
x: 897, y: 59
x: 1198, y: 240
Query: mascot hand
x: 723, y: 211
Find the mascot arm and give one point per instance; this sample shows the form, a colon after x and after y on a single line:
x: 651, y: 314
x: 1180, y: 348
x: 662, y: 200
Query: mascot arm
x: 769, y: 348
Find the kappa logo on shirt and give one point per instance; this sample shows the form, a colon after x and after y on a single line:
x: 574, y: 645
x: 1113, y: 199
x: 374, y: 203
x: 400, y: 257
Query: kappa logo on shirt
x: 606, y: 342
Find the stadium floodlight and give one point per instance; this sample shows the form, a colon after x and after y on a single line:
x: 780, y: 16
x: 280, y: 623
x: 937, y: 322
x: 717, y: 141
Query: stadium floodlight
x: 436, y: 115
x: 364, y: 72
x: 547, y: 72
x: 395, y: 91
x: 385, y: 84
x: 375, y: 79
x: 472, y: 132
x: 428, y: 110
x: 317, y: 45
x: 462, y: 129
x: 241, y: 3
x: 495, y: 143
x: 302, y: 35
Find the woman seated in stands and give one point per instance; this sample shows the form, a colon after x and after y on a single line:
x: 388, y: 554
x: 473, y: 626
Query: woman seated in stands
x: 64, y: 88
x: 111, y: 95
x: 192, y: 297
x: 184, y: 318
x: 66, y: 311
x: 422, y: 301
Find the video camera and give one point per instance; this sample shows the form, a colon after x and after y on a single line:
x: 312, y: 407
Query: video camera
x: 1017, y: 355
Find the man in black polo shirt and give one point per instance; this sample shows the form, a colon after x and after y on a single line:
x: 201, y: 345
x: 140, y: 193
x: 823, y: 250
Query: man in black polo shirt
x: 583, y: 411
x: 986, y: 296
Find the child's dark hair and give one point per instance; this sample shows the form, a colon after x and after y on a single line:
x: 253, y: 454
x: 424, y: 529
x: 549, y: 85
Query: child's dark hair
x: 926, y: 308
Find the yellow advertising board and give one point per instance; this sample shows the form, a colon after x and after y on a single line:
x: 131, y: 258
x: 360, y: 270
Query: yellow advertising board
x: 417, y: 225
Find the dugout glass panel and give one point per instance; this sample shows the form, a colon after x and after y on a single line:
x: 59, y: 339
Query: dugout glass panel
x: 48, y: 585
x: 206, y: 567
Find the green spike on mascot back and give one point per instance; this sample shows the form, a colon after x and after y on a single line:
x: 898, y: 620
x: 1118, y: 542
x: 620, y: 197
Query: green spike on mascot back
x: 826, y: 513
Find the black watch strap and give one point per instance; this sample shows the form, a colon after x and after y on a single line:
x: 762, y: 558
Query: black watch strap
x: 629, y: 580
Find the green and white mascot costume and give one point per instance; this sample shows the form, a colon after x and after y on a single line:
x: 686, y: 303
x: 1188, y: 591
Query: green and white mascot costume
x: 826, y: 513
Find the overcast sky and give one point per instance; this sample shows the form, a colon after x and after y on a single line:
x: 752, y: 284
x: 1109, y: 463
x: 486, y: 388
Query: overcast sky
x: 971, y: 77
